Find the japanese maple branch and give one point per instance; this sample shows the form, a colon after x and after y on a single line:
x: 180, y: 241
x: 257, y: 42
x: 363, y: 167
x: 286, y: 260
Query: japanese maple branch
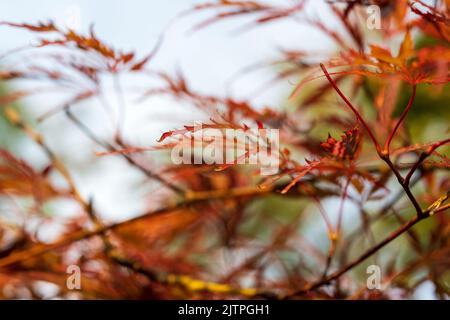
x: 355, y: 111
x: 405, y: 182
x: 385, y: 157
x: 190, y: 198
x: 39, y: 249
x: 422, y: 158
x: 383, y: 154
x: 436, y: 207
x: 191, y: 284
x: 399, y: 122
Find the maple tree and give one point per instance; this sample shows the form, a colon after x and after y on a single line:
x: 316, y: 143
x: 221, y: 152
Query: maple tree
x: 394, y: 180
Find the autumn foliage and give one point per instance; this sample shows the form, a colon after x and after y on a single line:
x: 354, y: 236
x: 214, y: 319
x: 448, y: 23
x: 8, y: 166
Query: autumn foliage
x: 226, y: 231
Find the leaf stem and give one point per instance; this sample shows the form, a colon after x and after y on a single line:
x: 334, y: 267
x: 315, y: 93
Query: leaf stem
x: 355, y: 111
x: 422, y: 158
x: 394, y: 235
x: 399, y: 122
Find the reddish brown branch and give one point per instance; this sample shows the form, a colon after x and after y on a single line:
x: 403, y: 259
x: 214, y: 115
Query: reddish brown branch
x: 349, y: 104
x: 384, y: 155
x: 394, y: 235
x: 399, y: 122
x: 422, y: 158
x: 190, y: 198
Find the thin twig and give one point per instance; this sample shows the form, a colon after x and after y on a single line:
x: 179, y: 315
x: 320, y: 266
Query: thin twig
x: 355, y: 111
x: 399, y: 122
x: 88, y: 132
x: 394, y: 235
x: 191, y: 198
x: 383, y: 154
